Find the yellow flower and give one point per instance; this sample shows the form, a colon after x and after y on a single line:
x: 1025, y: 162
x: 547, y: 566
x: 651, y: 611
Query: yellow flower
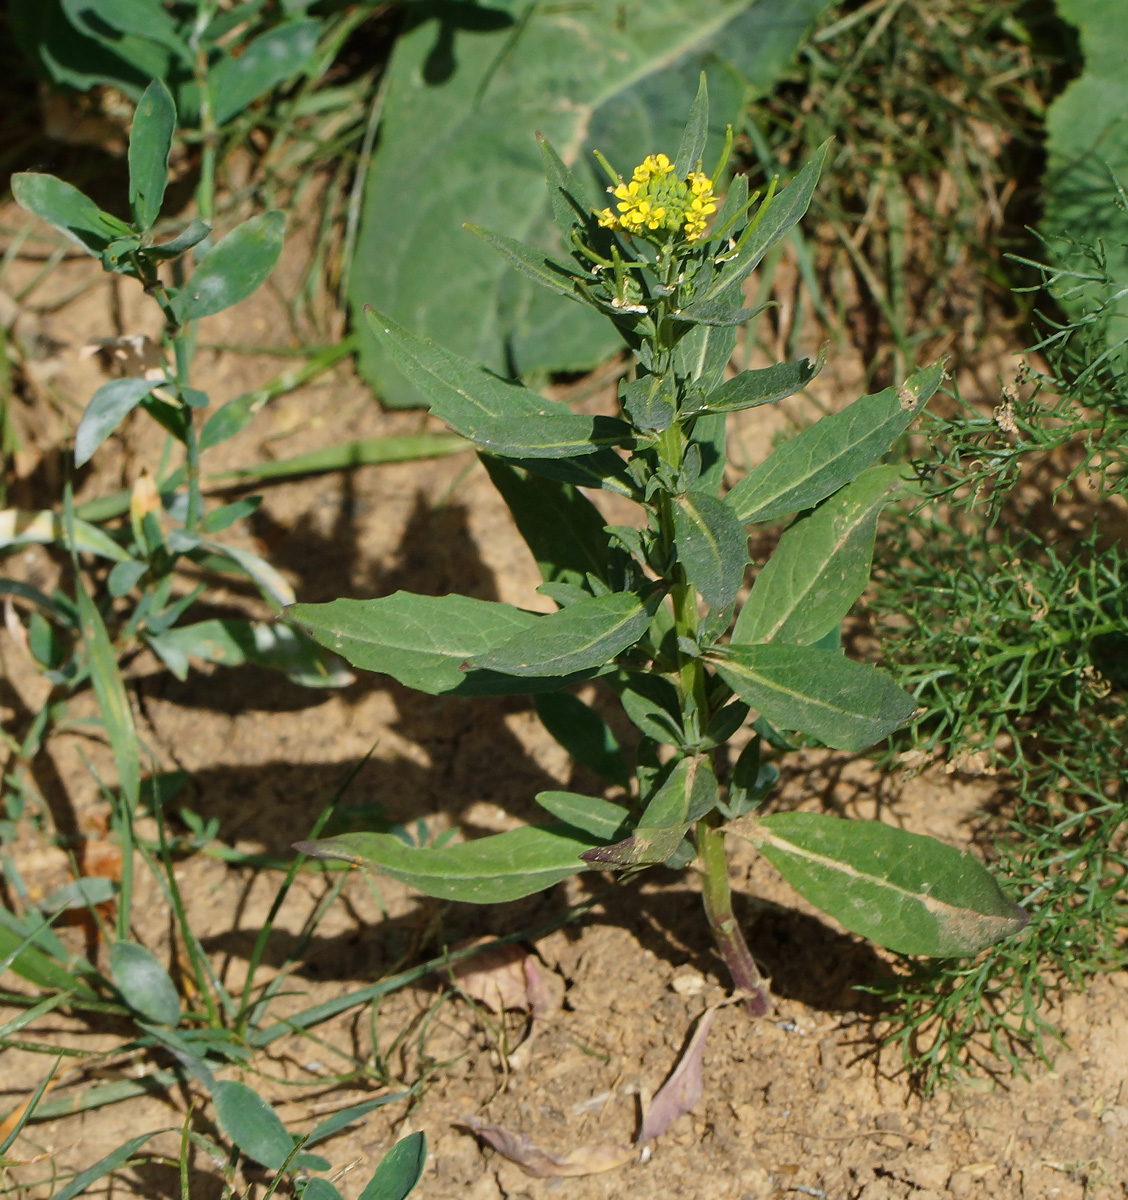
x: 657, y: 201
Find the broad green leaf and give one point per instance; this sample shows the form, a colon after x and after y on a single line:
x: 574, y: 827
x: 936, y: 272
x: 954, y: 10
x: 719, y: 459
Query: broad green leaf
x: 254, y: 1127
x: 649, y: 402
x: 234, y: 267
x: 710, y: 437
x: 652, y: 703
x: 820, y: 566
x: 150, y: 140
x: 505, y: 418
x: 689, y: 792
x: 139, y: 18
x: 456, y: 144
x: 604, y: 469
x: 584, y: 734
x: 320, y: 1189
x: 712, y: 546
x: 111, y: 1162
x: 43, y: 528
x: 834, y: 450
x: 786, y: 209
x: 109, y: 405
x: 488, y: 870
x: 597, y: 818
x: 422, y: 641
x: 1087, y: 159
x: 582, y: 636
x: 750, y: 389
x: 399, y: 1170
x: 68, y: 210
x: 234, y: 641
x: 846, y: 704
x: 910, y: 893
x: 560, y: 525
x: 144, y: 983
x: 270, y: 59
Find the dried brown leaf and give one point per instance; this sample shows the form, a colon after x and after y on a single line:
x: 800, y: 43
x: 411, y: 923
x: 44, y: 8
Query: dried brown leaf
x: 496, y: 978
x: 519, y: 1148
x: 683, y: 1088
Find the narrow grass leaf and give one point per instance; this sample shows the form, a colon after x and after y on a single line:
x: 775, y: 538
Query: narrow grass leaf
x: 591, y: 815
x: 348, y: 1116
x: 488, y: 870
x: 833, y: 451
x: 66, y: 208
x: 505, y: 418
x: 14, y: 1122
x: 848, y: 705
x: 254, y: 1127
x: 346, y: 455
x: 103, y: 1166
x: 582, y: 636
x: 234, y: 267
x: 399, y: 1170
x: 269, y: 580
x: 108, y: 407
x: 820, y: 566
x: 910, y: 893
x: 712, y: 546
x: 144, y: 983
x: 422, y: 641
x: 150, y: 141
x: 584, y: 734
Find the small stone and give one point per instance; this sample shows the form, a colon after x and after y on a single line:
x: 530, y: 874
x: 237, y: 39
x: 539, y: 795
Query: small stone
x: 688, y: 983
x: 961, y: 1183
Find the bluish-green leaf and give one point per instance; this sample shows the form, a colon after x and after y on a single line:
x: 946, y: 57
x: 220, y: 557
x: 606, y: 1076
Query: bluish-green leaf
x: 399, y: 1170
x: 150, y: 141
x: 144, y: 983
x: 423, y: 641
x: 44, y: 528
x: 836, y: 449
x: 584, y: 734
x: 111, y: 1162
x: 347, y: 1116
x: 599, y: 819
x: 820, y: 566
x: 234, y: 267
x: 109, y: 405
x: 488, y: 870
x: 68, y: 210
x: 504, y: 418
x: 846, y: 704
x: 254, y: 1127
x: 909, y: 893
x: 584, y: 635
x: 270, y: 59
x: 192, y: 235
x: 712, y: 546
x: 750, y: 389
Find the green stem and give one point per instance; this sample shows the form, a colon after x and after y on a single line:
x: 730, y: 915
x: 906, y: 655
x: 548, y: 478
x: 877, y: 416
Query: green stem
x: 717, y: 895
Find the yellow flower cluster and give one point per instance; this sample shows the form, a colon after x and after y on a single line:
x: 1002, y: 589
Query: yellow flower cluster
x: 657, y: 201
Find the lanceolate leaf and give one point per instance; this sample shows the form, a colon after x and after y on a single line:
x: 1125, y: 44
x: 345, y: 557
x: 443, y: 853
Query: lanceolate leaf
x: 582, y: 636
x: 399, y: 1170
x: 712, y: 546
x: 847, y: 705
x: 234, y: 267
x: 910, y: 893
x: 144, y: 983
x: 505, y: 418
x: 68, y: 210
x: 821, y: 565
x: 600, y: 819
x: 750, y: 389
x: 584, y: 734
x: 247, y: 1119
x: 489, y: 870
x: 150, y: 141
x: 109, y: 405
x: 834, y: 450
x: 423, y: 641
x: 268, y: 61
x: 560, y: 525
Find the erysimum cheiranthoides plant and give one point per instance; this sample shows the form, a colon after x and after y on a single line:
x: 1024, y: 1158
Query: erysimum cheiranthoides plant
x: 649, y: 608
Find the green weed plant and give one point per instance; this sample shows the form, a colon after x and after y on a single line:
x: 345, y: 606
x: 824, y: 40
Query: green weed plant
x: 651, y: 609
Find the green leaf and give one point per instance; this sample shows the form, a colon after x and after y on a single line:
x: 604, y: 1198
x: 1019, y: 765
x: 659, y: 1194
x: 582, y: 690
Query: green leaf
x: 422, y: 641
x: 910, y: 893
x: 150, y: 141
x: 649, y: 402
x: 692, y: 145
x: 109, y: 405
x: 584, y: 734
x: 191, y: 236
x: 689, y: 792
x: 786, y: 209
x: 750, y: 389
x: 347, y: 1116
x: 111, y: 1162
x: 269, y: 59
x: 44, y: 528
x: 234, y: 641
x: 320, y: 1189
x: 652, y: 703
x: 254, y: 1127
x: 834, y: 450
x: 847, y: 705
x: 144, y: 983
x: 712, y: 546
x: 399, y: 1170
x: 506, y: 418
x: 269, y: 581
x: 604, y: 469
x: 584, y: 635
x: 32, y: 964
x: 234, y: 267
x: 456, y: 144
x: 68, y: 210
x: 560, y: 525
x: 488, y: 870
x: 820, y: 566
x: 598, y: 818
x: 537, y: 265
